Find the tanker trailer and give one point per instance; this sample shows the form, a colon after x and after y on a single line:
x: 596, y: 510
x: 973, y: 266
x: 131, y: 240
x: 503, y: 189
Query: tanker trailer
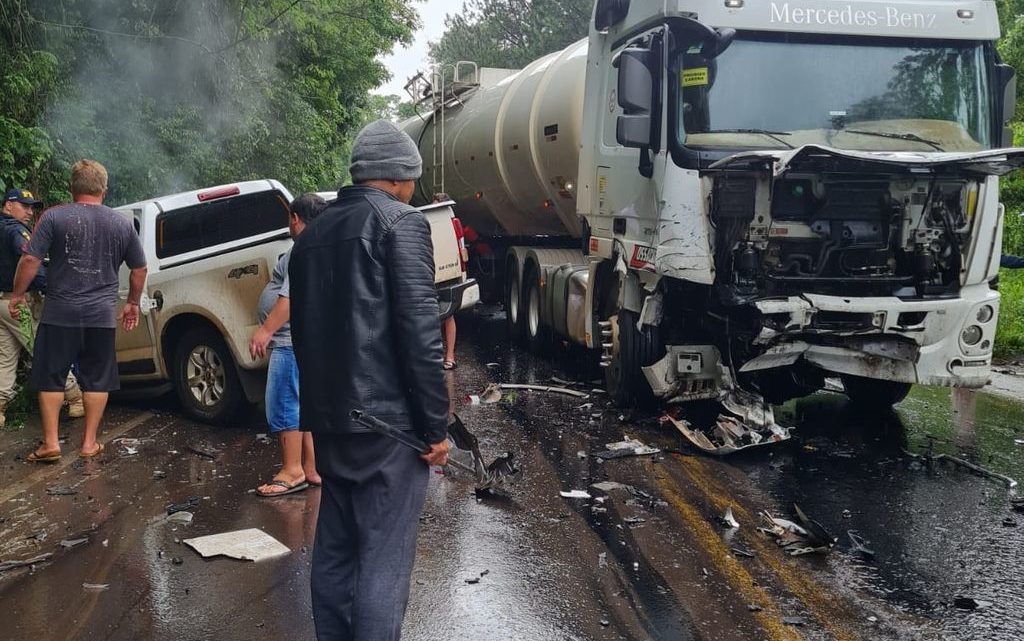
x: 734, y: 200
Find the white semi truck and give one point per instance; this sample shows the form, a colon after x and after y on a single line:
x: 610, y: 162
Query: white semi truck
x: 735, y: 199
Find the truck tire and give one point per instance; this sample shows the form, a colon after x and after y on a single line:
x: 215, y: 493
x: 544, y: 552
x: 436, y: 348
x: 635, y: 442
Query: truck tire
x: 536, y: 335
x: 205, y: 378
x: 513, y: 304
x: 873, y: 394
x: 624, y: 379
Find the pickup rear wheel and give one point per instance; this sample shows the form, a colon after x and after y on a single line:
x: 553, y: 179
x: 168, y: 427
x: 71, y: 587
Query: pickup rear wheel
x: 873, y: 394
x: 205, y: 377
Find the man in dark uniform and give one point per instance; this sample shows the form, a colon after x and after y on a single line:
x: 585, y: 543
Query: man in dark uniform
x: 366, y: 335
x: 14, y: 236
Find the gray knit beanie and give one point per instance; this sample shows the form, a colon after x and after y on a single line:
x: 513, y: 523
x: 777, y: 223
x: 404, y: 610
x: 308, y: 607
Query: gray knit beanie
x: 382, y: 151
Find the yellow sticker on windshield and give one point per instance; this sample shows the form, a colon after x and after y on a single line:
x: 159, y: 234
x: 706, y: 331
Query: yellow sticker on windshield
x: 694, y: 77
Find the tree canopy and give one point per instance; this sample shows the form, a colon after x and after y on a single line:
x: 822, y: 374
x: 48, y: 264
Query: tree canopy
x: 181, y: 94
x: 511, y: 33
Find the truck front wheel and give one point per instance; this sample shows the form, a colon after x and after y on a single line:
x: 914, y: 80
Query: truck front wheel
x: 873, y: 394
x: 205, y: 378
x: 632, y: 350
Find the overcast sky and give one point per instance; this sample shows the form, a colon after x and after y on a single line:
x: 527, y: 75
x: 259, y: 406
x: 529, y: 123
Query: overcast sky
x: 403, y: 63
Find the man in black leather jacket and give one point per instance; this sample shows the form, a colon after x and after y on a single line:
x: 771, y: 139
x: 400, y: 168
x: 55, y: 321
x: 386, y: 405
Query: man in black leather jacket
x: 367, y: 337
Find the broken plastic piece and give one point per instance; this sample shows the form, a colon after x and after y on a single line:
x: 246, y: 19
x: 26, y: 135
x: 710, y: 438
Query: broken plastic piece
x: 858, y: 545
x: 183, y: 517
x: 21, y: 563
x: 72, y: 543
x: 60, y: 490
x: 574, y: 494
x: 608, y: 486
x: 251, y: 544
x: 545, y: 388
x: 729, y: 435
x: 188, y: 504
x: 728, y: 519
x: 490, y: 395
x: 95, y: 586
x: 628, y: 447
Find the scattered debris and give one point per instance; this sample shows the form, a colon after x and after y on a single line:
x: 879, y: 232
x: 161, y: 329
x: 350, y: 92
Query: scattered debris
x: 159, y: 474
x: 563, y: 382
x: 1017, y: 504
x: 1009, y: 522
x: 794, y: 621
x: 39, y: 536
x: 21, y: 563
x: 476, y: 579
x: 73, y: 543
x: 490, y: 395
x: 586, y: 407
x: 738, y: 551
x: 728, y: 520
x: 968, y: 603
x: 628, y: 447
x: 188, y: 504
x: 545, y: 388
x: 858, y: 545
x: 182, y: 517
x: 201, y: 451
x: 810, y: 537
x: 929, y: 457
x: 61, y: 490
x: 602, y: 560
x: 493, y: 366
x: 96, y: 586
x: 608, y: 486
x: 177, y: 560
x: 729, y: 435
x: 575, y: 494
x: 263, y: 438
x: 753, y: 607
x: 251, y: 544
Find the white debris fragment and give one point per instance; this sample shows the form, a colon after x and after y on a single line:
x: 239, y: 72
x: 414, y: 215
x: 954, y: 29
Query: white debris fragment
x: 574, y: 494
x: 729, y: 519
x: 252, y: 544
x: 183, y: 517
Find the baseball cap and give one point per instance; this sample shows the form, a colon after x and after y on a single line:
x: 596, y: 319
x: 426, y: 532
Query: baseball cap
x: 22, y: 196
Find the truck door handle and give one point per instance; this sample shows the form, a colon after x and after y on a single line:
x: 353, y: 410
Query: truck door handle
x: 148, y: 304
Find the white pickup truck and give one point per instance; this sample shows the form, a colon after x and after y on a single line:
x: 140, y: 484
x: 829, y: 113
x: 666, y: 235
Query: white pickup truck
x: 210, y: 252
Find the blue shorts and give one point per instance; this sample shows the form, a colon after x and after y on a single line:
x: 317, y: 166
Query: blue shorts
x: 282, y: 390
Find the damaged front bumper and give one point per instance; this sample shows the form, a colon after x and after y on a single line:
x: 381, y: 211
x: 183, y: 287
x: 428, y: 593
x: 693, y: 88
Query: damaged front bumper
x: 942, y: 342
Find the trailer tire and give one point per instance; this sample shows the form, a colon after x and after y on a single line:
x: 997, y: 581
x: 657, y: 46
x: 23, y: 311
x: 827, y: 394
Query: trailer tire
x: 513, y: 303
x: 873, y: 394
x: 535, y: 334
x: 624, y: 379
x: 205, y: 378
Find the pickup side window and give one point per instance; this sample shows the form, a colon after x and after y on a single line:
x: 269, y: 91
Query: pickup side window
x: 190, y: 229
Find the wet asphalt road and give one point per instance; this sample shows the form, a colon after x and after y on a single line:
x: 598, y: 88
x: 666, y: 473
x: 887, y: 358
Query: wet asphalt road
x: 652, y: 564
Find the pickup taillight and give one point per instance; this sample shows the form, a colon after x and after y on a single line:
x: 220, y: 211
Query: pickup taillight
x: 460, y: 239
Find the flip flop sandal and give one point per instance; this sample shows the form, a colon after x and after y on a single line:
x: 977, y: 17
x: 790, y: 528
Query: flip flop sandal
x: 288, y: 489
x: 450, y: 365
x: 96, y: 452
x: 52, y: 457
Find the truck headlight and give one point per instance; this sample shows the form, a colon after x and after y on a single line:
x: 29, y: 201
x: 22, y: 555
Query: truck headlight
x: 971, y: 335
x: 985, y: 314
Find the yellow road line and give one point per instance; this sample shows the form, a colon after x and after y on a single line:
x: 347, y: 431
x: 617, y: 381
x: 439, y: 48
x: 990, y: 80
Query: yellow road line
x: 814, y: 596
x: 725, y: 563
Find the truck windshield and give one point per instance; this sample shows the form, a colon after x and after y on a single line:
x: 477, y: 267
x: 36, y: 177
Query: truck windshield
x: 868, y: 95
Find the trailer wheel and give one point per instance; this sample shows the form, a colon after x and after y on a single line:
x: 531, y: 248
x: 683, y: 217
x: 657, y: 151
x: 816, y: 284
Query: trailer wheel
x: 205, y: 378
x: 513, y: 303
x: 631, y: 350
x: 536, y: 335
x: 873, y: 394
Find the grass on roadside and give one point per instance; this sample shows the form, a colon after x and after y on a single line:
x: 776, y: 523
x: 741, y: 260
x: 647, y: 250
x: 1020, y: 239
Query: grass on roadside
x: 1010, y: 332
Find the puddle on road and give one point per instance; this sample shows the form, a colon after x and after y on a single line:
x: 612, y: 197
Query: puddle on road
x: 937, y: 530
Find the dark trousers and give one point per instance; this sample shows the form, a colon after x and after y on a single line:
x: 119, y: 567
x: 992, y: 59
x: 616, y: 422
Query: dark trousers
x: 373, y: 491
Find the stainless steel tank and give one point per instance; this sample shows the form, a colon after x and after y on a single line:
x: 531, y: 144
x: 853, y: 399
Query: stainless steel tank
x: 511, y: 150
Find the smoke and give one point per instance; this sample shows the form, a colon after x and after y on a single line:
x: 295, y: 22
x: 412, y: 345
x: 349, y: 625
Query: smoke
x: 168, y: 95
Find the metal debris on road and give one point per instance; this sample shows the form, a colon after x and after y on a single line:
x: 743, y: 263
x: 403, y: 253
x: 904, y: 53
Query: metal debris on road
x: 738, y: 551
x: 73, y: 543
x: 21, y: 563
x: 263, y: 438
x: 574, y: 494
x: 929, y: 457
x: 39, y: 536
x: 794, y: 621
x: 627, y: 447
x: 181, y: 517
x: 188, y: 504
x: 490, y: 395
x: 858, y: 545
x: 608, y: 486
x: 61, y: 490
x: 210, y: 453
x: 95, y: 586
x: 808, y: 538
x: 251, y: 544
x: 729, y: 435
x: 544, y: 388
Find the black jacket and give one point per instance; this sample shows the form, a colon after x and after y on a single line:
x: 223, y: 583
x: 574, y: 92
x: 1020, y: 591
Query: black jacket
x: 364, y: 317
x: 14, y: 235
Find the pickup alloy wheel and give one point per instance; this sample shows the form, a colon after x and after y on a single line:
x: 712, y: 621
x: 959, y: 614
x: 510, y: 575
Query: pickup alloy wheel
x: 205, y: 377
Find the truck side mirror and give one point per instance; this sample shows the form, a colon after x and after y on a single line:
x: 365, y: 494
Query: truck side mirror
x: 1007, y: 77
x: 609, y: 13
x: 636, y: 96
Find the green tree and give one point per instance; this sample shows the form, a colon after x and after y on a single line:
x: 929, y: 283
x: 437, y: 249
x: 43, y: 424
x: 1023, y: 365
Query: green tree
x: 180, y: 95
x: 511, y: 33
x: 1011, y: 50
